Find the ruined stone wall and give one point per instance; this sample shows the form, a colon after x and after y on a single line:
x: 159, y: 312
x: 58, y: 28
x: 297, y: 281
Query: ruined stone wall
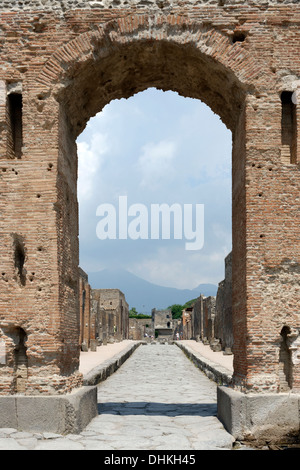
x: 187, y: 323
x: 223, y: 317
x: 136, y: 330
x: 139, y: 327
x: 209, y: 311
x: 89, y: 314
x: 61, y: 62
x: 84, y: 309
x: 197, y: 318
x: 162, y: 318
x: 95, y: 320
x: 113, y: 314
x: 212, y: 316
x: 101, y: 332
x: 162, y: 323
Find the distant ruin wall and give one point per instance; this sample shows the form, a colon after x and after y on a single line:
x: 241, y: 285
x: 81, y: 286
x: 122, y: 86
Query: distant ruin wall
x: 104, y: 315
x: 223, y: 316
x: 138, y: 328
x: 212, y: 316
x: 113, y: 315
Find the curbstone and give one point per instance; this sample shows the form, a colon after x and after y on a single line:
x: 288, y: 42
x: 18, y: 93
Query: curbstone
x: 107, y: 368
x: 212, y: 370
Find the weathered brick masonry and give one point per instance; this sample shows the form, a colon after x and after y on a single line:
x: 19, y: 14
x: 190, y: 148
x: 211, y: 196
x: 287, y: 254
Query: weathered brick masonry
x: 60, y: 63
x: 104, y: 315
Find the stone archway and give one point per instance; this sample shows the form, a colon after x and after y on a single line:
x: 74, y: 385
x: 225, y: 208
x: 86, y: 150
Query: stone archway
x: 80, y: 69
x: 126, y: 56
x: 123, y: 58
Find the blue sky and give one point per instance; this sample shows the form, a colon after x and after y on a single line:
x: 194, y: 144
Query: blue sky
x: 156, y: 147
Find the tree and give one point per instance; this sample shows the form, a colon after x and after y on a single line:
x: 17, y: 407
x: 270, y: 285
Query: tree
x: 190, y: 303
x: 177, y: 309
x: 134, y: 314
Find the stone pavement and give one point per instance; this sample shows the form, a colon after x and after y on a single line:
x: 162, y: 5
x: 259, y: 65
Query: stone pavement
x: 157, y: 400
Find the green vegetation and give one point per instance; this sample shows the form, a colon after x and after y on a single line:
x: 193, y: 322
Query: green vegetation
x: 189, y: 303
x: 177, y: 309
x: 134, y: 314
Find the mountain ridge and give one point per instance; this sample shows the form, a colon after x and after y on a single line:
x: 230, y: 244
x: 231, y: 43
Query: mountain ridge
x: 144, y: 295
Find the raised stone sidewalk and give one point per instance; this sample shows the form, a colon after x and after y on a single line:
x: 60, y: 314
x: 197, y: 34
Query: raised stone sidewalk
x: 99, y: 365
x: 216, y: 365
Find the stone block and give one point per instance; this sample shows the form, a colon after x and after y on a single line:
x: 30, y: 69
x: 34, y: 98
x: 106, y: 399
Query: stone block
x: 60, y: 414
x: 93, y: 345
x: 268, y: 417
x: 8, y: 414
x: 41, y: 413
x: 231, y: 411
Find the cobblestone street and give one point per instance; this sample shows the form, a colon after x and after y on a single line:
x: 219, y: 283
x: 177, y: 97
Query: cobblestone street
x: 157, y: 400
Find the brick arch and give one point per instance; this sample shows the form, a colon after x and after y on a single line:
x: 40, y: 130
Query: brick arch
x: 127, y: 56
x: 130, y: 54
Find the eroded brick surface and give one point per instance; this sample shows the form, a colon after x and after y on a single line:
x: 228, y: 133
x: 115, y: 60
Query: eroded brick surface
x: 60, y: 63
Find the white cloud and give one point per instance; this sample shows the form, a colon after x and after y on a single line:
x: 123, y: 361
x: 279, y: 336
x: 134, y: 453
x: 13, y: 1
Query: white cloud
x: 172, y: 266
x: 155, y: 162
x: 157, y: 148
x: 90, y: 160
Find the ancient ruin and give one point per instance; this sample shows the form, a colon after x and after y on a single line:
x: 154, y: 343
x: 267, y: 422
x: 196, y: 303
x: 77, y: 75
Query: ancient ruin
x: 61, y: 62
x: 162, y: 323
x: 104, y: 315
x: 113, y: 320
x: 141, y: 329
x: 210, y: 318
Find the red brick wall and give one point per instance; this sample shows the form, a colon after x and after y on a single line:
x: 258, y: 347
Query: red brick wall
x: 71, y: 64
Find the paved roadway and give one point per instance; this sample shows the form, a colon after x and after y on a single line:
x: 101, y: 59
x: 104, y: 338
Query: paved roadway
x: 157, y: 400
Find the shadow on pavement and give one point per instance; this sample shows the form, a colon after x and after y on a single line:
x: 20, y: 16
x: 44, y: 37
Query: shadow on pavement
x: 159, y: 409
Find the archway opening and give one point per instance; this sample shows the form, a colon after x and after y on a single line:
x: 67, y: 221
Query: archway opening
x: 154, y: 148
x: 124, y: 69
x: 114, y: 67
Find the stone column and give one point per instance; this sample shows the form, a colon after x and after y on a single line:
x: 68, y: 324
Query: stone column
x: 265, y: 258
x: 39, y: 248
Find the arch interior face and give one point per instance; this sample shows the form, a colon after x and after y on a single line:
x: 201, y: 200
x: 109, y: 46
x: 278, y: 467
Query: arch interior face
x: 132, y: 68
